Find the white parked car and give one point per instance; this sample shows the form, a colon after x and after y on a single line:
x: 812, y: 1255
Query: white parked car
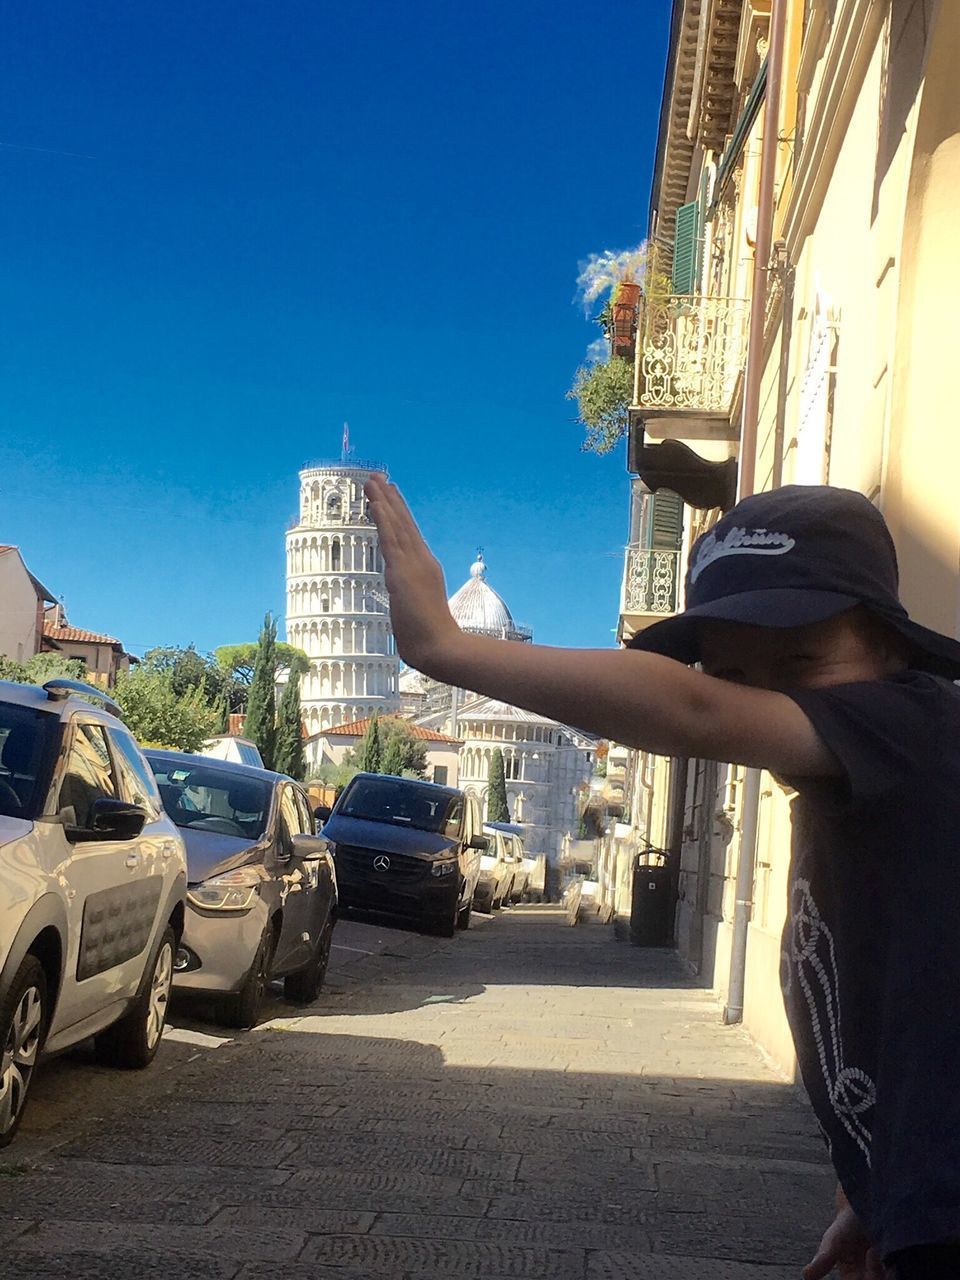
x: 496, y: 872
x: 92, y: 887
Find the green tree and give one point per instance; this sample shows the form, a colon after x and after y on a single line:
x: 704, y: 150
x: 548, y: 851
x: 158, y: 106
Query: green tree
x: 237, y: 661
x: 335, y: 775
x: 158, y: 717
x: 260, y: 724
x: 392, y: 756
x: 370, y: 749
x: 288, y: 756
x: 42, y: 667
x: 497, y: 807
x: 406, y: 750
x: 603, y: 393
x: 187, y: 670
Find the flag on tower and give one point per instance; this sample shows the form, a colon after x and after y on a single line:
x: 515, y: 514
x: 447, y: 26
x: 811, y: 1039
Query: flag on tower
x: 345, y: 448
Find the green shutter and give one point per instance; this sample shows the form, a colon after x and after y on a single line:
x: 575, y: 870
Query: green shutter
x: 685, y: 248
x: 666, y: 527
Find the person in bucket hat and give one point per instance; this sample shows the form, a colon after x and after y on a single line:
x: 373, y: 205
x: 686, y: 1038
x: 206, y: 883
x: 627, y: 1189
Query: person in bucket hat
x: 794, y: 654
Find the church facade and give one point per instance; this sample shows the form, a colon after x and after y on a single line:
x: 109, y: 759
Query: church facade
x: 547, y: 765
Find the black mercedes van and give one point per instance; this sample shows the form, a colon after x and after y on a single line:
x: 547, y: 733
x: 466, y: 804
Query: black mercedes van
x: 407, y: 848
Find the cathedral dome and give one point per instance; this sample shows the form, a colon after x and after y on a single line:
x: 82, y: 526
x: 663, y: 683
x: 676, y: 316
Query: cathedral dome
x: 476, y: 607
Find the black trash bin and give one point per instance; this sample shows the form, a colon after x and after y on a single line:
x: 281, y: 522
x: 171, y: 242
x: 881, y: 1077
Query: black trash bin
x: 651, y: 907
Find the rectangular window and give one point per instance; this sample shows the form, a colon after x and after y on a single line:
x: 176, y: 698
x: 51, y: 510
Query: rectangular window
x: 89, y: 773
x: 138, y: 780
x: 440, y: 774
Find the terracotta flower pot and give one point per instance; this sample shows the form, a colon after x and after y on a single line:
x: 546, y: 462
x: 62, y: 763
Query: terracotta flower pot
x: 627, y: 293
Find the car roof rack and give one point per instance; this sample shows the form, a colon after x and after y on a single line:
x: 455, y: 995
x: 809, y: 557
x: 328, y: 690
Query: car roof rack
x: 60, y: 688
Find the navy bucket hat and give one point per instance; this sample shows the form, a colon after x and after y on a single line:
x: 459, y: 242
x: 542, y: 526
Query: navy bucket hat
x: 791, y: 557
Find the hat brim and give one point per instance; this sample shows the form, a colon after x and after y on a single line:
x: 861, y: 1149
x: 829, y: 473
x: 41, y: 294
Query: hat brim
x: 782, y: 607
x: 776, y: 607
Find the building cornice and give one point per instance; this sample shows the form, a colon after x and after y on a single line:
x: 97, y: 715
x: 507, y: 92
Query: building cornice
x: 674, y: 149
x: 699, y: 103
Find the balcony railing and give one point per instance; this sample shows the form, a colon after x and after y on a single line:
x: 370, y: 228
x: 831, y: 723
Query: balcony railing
x: 650, y: 581
x: 692, y: 350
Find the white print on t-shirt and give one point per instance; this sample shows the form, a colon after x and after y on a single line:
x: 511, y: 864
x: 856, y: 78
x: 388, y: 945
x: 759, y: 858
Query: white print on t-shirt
x: 739, y: 542
x: 812, y: 960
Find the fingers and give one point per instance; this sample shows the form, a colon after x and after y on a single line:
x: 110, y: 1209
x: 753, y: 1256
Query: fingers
x: 820, y: 1266
x: 397, y: 527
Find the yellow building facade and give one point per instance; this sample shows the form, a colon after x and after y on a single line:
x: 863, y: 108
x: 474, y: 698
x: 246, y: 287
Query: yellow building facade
x: 846, y: 333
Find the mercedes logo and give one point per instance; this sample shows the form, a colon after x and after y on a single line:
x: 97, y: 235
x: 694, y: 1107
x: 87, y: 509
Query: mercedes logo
x: 381, y: 863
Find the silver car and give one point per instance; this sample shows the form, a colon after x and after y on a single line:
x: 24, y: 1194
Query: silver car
x: 262, y: 897
x: 92, y: 887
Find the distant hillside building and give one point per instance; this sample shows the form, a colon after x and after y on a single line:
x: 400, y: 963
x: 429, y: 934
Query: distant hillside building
x: 336, y: 599
x: 104, y: 656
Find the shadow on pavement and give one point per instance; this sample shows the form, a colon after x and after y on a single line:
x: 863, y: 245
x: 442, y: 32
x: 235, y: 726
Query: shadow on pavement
x: 326, y: 1155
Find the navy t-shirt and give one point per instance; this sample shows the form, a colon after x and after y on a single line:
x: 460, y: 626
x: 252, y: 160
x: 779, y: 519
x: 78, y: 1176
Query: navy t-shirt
x: 871, y: 950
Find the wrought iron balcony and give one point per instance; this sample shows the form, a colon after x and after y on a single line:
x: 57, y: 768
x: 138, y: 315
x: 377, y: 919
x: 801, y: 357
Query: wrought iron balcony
x: 650, y: 588
x: 690, y: 356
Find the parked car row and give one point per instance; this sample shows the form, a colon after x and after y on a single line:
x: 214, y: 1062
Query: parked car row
x: 508, y: 874
x: 125, y: 874
x: 418, y: 852
x: 113, y: 888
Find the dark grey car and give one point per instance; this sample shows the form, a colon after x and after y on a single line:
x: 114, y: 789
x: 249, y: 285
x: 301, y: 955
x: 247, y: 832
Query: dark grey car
x: 262, y: 890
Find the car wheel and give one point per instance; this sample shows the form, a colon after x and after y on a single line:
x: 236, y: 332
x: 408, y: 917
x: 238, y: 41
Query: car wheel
x: 243, y: 1009
x: 444, y: 926
x: 133, y: 1041
x: 304, y: 986
x: 463, y: 916
x: 23, y: 1024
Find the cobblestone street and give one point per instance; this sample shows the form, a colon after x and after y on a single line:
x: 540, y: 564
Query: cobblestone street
x: 527, y: 1099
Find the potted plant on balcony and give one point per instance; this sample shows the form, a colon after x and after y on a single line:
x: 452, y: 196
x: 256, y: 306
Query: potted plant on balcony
x: 622, y: 277
x: 603, y: 392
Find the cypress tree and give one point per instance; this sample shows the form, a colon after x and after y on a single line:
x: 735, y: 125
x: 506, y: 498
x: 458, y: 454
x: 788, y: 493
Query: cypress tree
x: 497, y: 808
x: 393, y: 760
x: 370, y: 757
x: 289, y: 749
x: 260, y: 724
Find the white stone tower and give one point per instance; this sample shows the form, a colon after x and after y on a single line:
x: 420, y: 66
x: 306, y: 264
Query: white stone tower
x: 336, y: 599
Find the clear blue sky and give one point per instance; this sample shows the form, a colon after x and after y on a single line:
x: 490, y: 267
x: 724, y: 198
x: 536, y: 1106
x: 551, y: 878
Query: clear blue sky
x: 228, y: 227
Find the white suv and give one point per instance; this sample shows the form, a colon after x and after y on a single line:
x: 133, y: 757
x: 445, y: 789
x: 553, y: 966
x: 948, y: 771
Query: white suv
x: 92, y: 887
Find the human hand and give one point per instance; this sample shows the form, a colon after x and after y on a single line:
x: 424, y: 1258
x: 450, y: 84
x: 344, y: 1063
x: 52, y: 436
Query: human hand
x: 846, y: 1246
x: 419, y: 614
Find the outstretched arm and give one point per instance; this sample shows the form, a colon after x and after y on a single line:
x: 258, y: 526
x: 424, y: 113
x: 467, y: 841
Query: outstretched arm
x: 640, y: 699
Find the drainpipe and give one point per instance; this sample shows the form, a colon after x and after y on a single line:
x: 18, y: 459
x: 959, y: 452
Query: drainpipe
x: 786, y: 273
x: 743, y: 904
x: 746, y: 867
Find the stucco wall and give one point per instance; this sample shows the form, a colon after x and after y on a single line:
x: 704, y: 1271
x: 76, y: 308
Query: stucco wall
x: 18, y: 609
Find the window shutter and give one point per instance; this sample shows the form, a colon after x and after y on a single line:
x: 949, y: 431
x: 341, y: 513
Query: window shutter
x: 666, y: 530
x: 685, y: 248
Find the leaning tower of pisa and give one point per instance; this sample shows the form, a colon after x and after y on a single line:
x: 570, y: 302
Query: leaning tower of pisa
x: 336, y: 599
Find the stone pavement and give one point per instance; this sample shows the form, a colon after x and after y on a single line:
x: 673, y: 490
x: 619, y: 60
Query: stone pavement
x: 525, y: 1100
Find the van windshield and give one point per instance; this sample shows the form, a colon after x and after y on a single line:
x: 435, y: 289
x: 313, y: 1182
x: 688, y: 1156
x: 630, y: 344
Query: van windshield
x: 402, y: 803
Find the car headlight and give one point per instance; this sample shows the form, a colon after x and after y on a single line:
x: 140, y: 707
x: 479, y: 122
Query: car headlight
x: 233, y: 891
x: 443, y: 868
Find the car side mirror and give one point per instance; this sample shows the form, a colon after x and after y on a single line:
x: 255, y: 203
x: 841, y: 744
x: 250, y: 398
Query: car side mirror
x: 478, y: 842
x: 322, y: 812
x: 305, y: 846
x: 111, y: 820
